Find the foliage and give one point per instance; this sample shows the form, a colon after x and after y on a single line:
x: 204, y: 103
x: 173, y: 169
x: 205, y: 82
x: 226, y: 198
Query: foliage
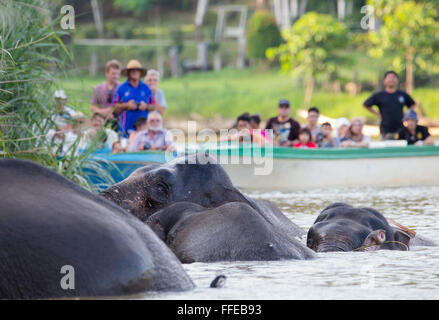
x: 410, y: 34
x: 311, y: 45
x: 139, y: 7
x: 136, y: 6
x: 311, y: 48
x: 29, y: 48
x: 262, y: 33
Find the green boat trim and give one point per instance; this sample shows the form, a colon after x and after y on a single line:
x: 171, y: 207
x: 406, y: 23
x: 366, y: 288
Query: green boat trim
x: 324, y: 154
x: 249, y: 150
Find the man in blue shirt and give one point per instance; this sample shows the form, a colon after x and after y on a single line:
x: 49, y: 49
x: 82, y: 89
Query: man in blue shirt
x: 133, y: 99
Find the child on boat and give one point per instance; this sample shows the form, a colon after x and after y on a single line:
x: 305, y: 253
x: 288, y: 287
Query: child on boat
x: 305, y: 139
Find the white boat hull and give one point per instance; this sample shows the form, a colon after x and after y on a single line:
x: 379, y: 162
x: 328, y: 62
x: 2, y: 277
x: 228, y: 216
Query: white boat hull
x: 302, y: 174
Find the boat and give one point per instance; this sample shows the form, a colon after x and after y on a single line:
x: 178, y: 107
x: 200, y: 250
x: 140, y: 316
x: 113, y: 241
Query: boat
x: 290, y: 169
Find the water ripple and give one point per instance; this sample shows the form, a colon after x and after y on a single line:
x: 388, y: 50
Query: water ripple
x: 338, y: 275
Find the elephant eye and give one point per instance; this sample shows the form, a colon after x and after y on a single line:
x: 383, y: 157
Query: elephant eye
x: 162, y: 187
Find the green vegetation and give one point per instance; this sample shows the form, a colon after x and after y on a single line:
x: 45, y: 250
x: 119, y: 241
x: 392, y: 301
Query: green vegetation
x: 231, y: 92
x: 311, y: 48
x: 410, y: 34
x: 262, y: 33
x: 29, y: 49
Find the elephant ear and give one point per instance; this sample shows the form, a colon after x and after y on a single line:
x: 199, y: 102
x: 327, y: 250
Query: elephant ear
x: 402, y: 236
x: 402, y: 233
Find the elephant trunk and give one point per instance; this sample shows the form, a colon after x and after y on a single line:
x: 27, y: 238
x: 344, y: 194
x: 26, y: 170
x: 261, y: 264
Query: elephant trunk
x: 128, y: 197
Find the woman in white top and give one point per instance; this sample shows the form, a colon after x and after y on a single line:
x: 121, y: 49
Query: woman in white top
x: 354, y: 137
x: 152, y: 79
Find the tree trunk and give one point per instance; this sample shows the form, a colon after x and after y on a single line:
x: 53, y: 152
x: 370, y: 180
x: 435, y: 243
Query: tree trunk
x: 294, y: 8
x: 341, y: 9
x: 302, y: 8
x: 409, y: 81
x: 309, y: 88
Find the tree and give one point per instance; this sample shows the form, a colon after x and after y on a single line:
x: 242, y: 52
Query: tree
x: 311, y: 48
x: 409, y: 34
x: 262, y: 33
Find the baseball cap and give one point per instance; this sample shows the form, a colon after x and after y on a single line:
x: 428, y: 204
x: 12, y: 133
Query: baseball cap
x: 342, y: 122
x: 60, y: 94
x: 411, y: 114
x: 284, y: 101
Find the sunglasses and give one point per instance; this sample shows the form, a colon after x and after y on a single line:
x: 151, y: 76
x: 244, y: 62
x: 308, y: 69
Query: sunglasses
x: 110, y: 96
x: 284, y: 106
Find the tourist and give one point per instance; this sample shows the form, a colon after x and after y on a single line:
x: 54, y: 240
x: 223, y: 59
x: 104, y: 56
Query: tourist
x: 390, y: 103
x: 285, y: 129
x: 118, y: 148
x: 79, y: 122
x: 62, y: 110
x: 255, y: 124
x: 141, y: 124
x: 152, y: 79
x: 255, y: 121
x: 305, y: 139
x: 355, y: 137
x: 313, y: 120
x: 413, y: 133
x: 98, y: 136
x: 61, y: 138
x: 133, y: 98
x: 327, y: 140
x: 341, y: 130
x: 155, y: 137
x: 244, y: 132
x: 103, y: 95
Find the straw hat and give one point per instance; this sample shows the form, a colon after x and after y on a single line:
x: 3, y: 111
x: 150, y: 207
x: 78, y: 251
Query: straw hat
x: 134, y: 65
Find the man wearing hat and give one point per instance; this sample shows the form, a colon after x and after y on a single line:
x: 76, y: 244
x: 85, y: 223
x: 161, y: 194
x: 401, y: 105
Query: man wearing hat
x: 133, y: 98
x: 60, y: 105
x: 412, y: 132
x: 285, y: 128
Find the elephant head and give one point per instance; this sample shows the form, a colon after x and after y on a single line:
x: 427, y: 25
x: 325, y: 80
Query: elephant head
x: 194, y: 178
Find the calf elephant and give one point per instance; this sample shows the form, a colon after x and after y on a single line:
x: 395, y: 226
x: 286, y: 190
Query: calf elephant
x: 192, y: 204
x: 341, y: 227
x: 49, y: 225
x: 229, y: 232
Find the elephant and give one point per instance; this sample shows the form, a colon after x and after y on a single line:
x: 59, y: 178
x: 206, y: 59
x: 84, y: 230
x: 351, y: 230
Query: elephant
x: 341, y: 227
x: 232, y: 231
x: 193, y: 206
x: 51, y: 228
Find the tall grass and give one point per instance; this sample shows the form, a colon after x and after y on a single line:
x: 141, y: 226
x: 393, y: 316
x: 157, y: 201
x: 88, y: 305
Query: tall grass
x: 31, y: 50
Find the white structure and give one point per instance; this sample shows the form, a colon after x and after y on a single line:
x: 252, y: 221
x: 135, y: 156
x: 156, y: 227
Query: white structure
x: 223, y: 31
x: 287, y: 10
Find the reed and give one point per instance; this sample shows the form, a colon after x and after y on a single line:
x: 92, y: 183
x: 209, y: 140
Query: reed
x: 32, y: 56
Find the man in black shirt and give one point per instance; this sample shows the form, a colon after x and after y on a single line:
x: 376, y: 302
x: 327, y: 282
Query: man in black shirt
x: 390, y: 103
x: 285, y: 129
x: 414, y: 133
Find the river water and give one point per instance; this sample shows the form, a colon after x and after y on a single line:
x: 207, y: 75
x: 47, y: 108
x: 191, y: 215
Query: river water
x: 382, y: 274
